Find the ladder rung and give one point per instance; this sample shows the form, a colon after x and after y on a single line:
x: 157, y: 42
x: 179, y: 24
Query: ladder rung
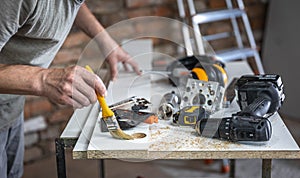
x: 234, y: 54
x: 206, y: 17
x: 217, y: 36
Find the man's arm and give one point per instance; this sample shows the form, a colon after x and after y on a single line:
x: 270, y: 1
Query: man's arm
x: 88, y: 23
x: 72, y: 86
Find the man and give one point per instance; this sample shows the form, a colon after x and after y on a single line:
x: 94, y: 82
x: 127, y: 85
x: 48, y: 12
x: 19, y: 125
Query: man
x: 31, y: 33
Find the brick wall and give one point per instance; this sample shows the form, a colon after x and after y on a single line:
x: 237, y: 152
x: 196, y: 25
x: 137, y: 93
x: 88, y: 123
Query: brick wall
x: 44, y: 120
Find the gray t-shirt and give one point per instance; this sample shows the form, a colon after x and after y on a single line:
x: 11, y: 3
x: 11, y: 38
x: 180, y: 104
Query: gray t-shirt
x: 31, y: 33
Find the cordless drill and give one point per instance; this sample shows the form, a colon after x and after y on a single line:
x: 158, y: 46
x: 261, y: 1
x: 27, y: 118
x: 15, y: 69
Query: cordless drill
x: 259, y: 97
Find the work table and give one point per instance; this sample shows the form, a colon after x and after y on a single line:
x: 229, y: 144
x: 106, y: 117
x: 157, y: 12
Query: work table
x: 164, y: 140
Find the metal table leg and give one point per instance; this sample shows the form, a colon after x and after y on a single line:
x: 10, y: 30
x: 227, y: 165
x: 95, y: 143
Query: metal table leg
x: 101, y: 168
x: 60, y: 158
x: 266, y: 168
x: 232, y: 168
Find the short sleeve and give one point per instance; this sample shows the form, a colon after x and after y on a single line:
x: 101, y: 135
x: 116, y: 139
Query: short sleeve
x: 14, y: 14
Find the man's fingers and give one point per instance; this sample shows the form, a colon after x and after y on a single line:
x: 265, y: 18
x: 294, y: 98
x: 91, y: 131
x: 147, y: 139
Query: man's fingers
x: 125, y: 66
x: 132, y: 63
x: 134, y: 66
x: 114, y: 72
x: 81, y: 98
x: 94, y: 82
x: 85, y: 92
x: 100, y: 87
x: 68, y: 100
x: 76, y: 105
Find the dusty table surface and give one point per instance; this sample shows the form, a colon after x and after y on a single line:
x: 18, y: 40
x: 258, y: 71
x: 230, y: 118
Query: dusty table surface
x: 166, y: 141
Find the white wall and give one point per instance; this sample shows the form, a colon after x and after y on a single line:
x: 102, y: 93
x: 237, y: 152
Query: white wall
x: 281, y: 50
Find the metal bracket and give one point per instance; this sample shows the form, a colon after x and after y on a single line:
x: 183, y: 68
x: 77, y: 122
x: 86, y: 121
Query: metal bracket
x: 209, y: 95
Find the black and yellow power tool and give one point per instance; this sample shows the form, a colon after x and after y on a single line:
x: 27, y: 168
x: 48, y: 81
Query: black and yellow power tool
x: 189, y: 115
x: 203, y: 67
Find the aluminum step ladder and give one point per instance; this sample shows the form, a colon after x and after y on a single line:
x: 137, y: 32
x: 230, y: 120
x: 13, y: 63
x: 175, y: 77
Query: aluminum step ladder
x: 231, y: 13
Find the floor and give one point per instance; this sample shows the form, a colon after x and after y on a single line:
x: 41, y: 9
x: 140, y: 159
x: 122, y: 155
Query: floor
x: 46, y: 168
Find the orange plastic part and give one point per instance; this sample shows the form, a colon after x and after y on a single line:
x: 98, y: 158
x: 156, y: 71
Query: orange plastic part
x: 151, y: 119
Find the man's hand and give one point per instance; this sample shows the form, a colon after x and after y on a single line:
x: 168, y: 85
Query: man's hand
x: 87, y: 22
x: 119, y: 55
x: 73, y: 86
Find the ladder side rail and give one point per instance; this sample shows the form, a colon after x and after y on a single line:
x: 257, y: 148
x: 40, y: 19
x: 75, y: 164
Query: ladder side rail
x: 198, y: 37
x: 185, y: 29
x: 192, y: 8
x: 247, y: 25
x: 235, y: 26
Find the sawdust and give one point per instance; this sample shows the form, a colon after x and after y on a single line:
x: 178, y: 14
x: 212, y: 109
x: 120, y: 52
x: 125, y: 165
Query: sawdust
x: 174, y: 138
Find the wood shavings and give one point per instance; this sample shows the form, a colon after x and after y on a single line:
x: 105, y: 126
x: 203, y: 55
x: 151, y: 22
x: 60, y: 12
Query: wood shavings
x: 174, y: 138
